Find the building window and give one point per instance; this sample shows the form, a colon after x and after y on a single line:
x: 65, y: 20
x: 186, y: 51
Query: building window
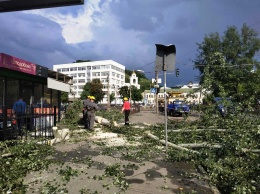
x: 81, y: 68
x: 96, y: 74
x: 65, y: 69
x: 81, y: 81
x: 88, y: 67
x: 106, y: 73
x: 81, y: 74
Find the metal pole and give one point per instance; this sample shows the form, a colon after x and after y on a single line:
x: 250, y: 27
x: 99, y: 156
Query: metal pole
x: 165, y: 113
x: 108, y: 92
x: 156, y: 95
x: 115, y: 94
x: 130, y: 95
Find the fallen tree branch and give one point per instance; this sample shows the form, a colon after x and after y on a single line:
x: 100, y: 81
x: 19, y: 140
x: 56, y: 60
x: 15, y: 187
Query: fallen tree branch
x: 199, y: 145
x: 6, y: 155
x: 190, y: 130
x: 169, y: 143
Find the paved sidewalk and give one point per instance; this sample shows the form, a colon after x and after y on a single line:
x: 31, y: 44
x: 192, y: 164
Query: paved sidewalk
x: 153, y: 118
x: 147, y: 116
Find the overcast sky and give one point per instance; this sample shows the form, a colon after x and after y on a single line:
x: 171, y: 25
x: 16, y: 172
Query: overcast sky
x: 125, y: 31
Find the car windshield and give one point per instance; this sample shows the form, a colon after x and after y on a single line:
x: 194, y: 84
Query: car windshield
x: 178, y: 102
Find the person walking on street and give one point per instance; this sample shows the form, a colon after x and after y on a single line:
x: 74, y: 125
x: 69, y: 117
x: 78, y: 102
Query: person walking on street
x: 19, y: 109
x: 126, y: 109
x: 91, y: 109
x: 86, y: 103
x: 170, y: 108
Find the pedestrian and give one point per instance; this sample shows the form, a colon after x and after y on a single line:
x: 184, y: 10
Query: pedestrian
x: 91, y: 109
x: 126, y: 109
x: 86, y: 103
x: 19, y: 110
x: 171, y: 109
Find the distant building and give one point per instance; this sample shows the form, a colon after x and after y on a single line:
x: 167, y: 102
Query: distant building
x: 182, y: 93
x: 133, y: 81
x: 110, y: 73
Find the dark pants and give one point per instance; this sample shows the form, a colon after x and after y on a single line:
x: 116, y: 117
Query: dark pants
x: 170, y: 113
x: 20, y: 122
x: 85, y: 119
x: 91, y: 119
x: 127, y: 112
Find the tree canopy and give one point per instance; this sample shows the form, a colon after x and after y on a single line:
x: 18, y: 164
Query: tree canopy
x: 132, y: 92
x: 64, y: 97
x: 93, y: 88
x: 227, y: 65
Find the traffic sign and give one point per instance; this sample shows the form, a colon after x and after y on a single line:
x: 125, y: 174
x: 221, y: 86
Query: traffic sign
x: 153, y: 90
x: 165, y: 57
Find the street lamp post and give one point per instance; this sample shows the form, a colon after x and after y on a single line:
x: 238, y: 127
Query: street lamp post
x: 165, y: 61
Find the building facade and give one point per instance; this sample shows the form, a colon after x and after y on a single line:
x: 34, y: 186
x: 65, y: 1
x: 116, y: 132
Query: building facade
x: 110, y: 73
x: 183, y: 93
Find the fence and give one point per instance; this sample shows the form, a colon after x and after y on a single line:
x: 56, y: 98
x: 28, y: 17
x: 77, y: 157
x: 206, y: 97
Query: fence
x: 36, y: 123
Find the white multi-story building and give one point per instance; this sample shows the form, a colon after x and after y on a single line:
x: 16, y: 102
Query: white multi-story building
x: 110, y: 73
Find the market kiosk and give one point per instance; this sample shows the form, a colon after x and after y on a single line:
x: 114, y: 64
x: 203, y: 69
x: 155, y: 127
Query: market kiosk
x: 40, y: 89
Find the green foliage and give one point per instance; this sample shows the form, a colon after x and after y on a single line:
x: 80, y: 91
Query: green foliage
x: 132, y: 92
x: 93, y: 88
x: 64, y: 97
x: 96, y: 89
x: 124, y: 92
x: 86, y: 91
x: 111, y: 115
x: 136, y: 94
x: 82, y: 61
x: 112, y: 97
x: 140, y: 75
x: 67, y: 173
x: 145, y: 84
x: 226, y: 64
x: 72, y: 112
x: 25, y: 157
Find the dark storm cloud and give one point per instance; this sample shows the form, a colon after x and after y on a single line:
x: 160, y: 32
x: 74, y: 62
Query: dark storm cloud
x: 141, y: 15
x: 123, y: 30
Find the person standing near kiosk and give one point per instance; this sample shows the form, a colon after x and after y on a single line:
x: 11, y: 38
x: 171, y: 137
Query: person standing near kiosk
x: 126, y: 109
x: 19, y: 109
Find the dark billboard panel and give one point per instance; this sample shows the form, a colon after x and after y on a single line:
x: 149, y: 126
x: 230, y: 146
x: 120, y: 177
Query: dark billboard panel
x: 10, y: 62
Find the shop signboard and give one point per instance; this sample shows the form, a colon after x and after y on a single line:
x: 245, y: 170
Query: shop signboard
x: 13, y: 63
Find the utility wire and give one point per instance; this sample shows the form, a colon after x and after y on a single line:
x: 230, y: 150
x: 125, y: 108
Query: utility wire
x: 141, y: 67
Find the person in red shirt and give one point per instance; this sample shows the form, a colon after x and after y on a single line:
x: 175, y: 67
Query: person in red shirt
x: 126, y: 108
